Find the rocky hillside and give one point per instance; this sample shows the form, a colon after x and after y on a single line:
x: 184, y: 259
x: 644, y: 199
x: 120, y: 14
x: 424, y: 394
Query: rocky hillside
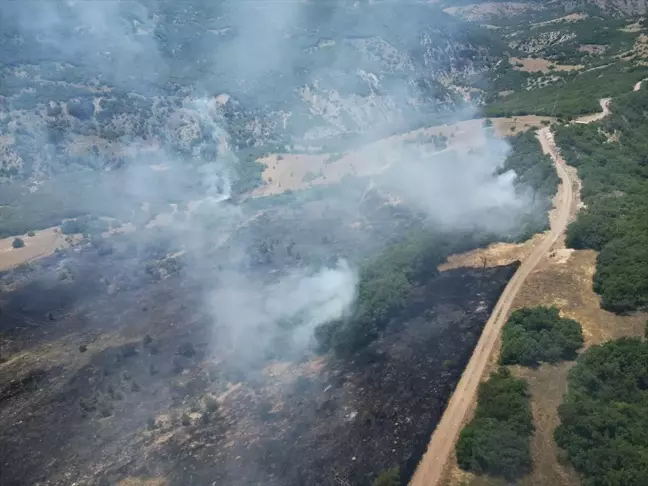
x: 168, y: 72
x: 507, y: 12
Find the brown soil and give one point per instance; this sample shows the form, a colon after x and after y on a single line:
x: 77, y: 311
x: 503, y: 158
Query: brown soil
x: 511, y: 126
x: 482, y: 11
x: 43, y: 243
x: 593, y: 48
x: 574, y: 17
x: 290, y: 171
x: 534, y: 65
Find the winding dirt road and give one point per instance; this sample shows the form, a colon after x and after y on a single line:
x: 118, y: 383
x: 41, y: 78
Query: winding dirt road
x: 431, y: 467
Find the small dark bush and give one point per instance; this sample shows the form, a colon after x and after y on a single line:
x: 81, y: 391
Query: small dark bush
x: 390, y: 477
x: 18, y: 243
x: 187, y: 350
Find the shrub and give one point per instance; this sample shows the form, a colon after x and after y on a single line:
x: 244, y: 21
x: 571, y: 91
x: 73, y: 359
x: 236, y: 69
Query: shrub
x: 146, y: 342
x: 390, y: 477
x: 18, y: 243
x: 211, y: 404
x: 539, y: 334
x: 31, y: 234
x: 187, y: 350
x: 497, y: 440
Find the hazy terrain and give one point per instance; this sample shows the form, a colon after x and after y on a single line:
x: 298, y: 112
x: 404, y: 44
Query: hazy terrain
x: 188, y: 319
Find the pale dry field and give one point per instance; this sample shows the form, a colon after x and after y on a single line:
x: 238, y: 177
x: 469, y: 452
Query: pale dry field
x: 43, y: 243
x: 294, y: 171
x: 534, y: 65
x: 482, y: 11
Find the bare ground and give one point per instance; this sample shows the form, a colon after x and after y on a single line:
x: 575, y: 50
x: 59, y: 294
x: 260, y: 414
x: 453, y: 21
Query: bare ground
x: 483, y: 11
x: 43, y: 243
x: 534, y: 65
x: 293, y: 171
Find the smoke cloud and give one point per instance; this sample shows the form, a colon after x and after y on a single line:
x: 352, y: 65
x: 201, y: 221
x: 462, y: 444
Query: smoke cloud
x: 245, y: 51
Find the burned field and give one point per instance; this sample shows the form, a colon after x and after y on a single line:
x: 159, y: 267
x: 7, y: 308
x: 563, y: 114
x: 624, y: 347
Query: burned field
x: 113, y: 365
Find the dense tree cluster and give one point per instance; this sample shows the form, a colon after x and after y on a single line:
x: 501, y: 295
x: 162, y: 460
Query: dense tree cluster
x: 497, y: 440
x: 611, y: 158
x: 604, y: 416
x: 539, y: 334
x: 536, y: 175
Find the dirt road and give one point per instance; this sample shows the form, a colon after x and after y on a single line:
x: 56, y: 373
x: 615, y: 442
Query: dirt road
x: 431, y: 467
x: 605, y: 111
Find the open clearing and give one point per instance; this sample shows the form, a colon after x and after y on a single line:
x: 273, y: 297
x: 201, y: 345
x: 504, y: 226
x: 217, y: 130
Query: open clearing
x: 293, y: 171
x: 534, y: 65
x: 43, y: 243
x: 574, y: 17
x: 483, y: 11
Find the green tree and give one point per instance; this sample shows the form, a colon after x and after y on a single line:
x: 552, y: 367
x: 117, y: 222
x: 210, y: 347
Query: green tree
x: 604, y: 414
x: 390, y: 477
x: 497, y: 441
x: 539, y: 334
x: 17, y: 243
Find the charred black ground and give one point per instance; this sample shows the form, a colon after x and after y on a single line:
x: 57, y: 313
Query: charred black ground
x: 110, y: 369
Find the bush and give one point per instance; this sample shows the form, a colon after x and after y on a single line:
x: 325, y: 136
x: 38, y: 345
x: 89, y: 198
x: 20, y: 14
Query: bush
x: 187, y: 350
x: 31, y: 234
x: 539, y: 334
x: 497, y: 440
x: 17, y: 243
x: 390, y: 477
x: 604, y: 414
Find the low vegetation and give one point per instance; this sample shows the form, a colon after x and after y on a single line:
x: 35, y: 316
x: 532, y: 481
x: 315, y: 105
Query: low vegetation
x: 536, y: 175
x: 386, y: 281
x: 384, y: 286
x: 572, y: 95
x: 497, y: 440
x: 611, y: 160
x: 535, y: 335
x: 604, y: 415
x: 390, y: 477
